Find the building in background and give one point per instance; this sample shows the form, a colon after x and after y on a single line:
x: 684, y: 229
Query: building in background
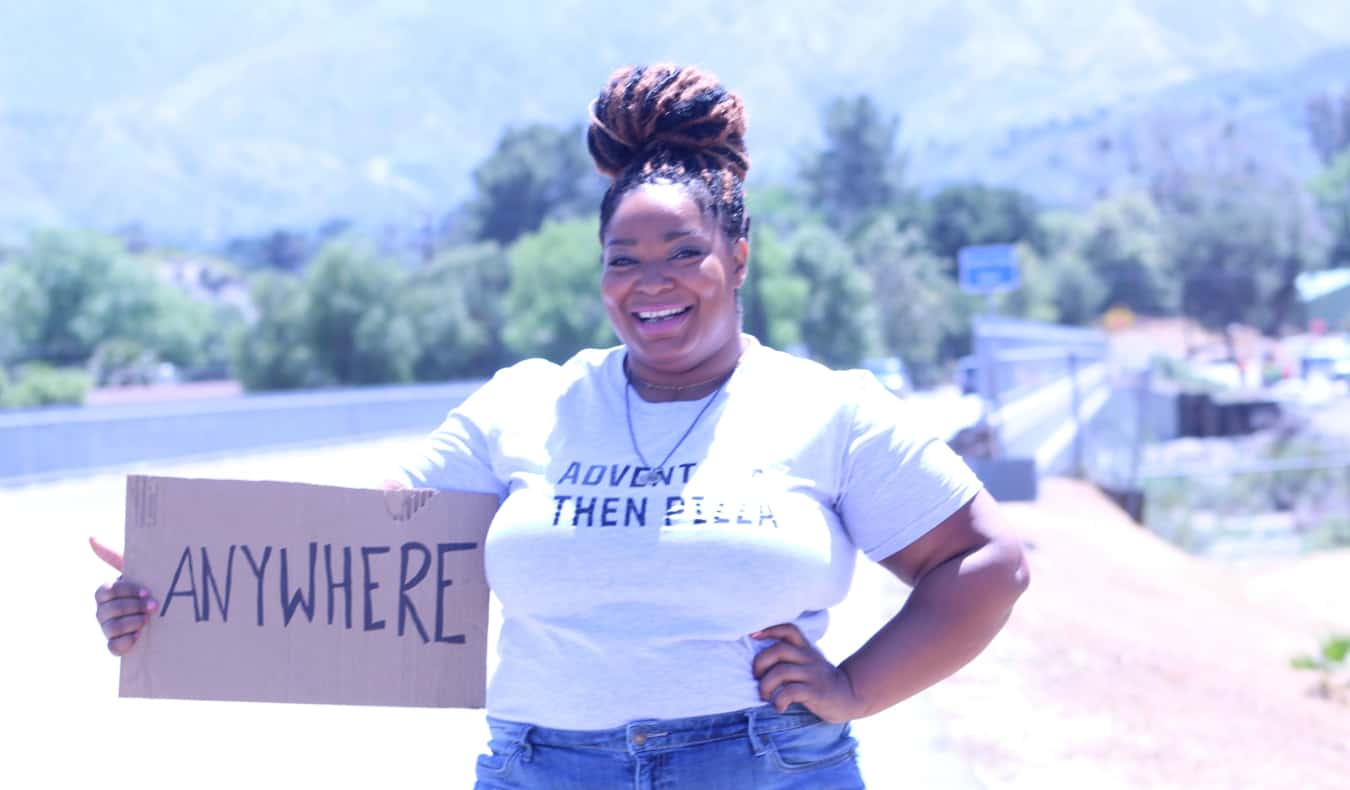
x: 1326, y: 298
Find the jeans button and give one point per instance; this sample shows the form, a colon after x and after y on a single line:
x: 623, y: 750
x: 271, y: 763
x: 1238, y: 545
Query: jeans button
x: 639, y: 739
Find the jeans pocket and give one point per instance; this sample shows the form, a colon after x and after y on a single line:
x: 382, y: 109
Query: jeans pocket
x: 812, y: 746
x: 504, y: 748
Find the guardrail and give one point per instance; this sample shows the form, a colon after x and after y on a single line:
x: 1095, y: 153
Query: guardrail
x: 44, y: 443
x: 1042, y: 385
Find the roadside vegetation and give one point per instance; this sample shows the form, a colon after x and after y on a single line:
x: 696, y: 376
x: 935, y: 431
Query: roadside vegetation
x: 851, y: 262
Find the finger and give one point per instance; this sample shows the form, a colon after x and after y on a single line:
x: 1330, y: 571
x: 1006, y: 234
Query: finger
x: 784, y: 631
x: 392, y: 485
x: 789, y: 693
x: 121, y: 607
x: 106, y: 554
x: 781, y: 652
x: 120, y: 589
x: 121, y: 626
x: 781, y: 675
x: 119, y: 646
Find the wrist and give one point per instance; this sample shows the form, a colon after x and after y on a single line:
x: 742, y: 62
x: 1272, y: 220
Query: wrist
x: 858, y: 708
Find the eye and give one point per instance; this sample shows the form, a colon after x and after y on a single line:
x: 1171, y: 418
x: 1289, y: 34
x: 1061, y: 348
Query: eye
x: 620, y: 262
x: 687, y: 253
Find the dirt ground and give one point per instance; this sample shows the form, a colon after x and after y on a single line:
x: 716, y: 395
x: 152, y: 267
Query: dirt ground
x: 1129, y: 663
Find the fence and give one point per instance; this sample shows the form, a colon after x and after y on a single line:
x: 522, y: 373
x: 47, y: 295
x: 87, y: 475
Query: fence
x: 44, y: 443
x: 1262, y: 506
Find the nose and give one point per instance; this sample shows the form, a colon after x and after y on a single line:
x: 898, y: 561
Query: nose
x: 653, y: 278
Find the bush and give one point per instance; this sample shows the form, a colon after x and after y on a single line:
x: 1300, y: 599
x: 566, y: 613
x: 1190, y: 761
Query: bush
x: 123, y: 363
x: 37, y: 384
x: 1330, y: 663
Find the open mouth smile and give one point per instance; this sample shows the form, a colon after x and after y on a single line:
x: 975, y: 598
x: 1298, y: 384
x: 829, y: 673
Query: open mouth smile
x: 662, y: 315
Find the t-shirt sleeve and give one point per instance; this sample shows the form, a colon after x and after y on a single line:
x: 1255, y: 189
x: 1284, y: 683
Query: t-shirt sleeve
x: 462, y: 453
x: 900, y: 481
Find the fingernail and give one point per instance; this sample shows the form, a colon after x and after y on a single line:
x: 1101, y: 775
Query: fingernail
x: 151, y: 605
x: 143, y: 592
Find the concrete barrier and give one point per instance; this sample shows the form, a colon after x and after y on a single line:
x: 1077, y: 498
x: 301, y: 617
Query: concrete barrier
x: 1007, y: 479
x: 45, y: 443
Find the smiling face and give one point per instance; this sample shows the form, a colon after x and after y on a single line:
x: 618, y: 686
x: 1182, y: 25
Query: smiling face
x: 669, y: 286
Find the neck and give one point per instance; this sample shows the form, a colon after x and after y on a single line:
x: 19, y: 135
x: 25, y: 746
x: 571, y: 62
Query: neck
x: 698, y: 382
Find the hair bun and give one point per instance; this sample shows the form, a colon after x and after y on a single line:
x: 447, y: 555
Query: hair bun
x: 646, y: 109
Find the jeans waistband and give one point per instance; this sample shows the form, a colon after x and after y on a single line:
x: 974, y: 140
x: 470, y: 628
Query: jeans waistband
x: 650, y: 735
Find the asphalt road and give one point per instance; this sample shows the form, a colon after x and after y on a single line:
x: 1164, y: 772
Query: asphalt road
x: 67, y: 726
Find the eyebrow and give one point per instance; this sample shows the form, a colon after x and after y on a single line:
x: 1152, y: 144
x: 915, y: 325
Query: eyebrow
x: 669, y: 237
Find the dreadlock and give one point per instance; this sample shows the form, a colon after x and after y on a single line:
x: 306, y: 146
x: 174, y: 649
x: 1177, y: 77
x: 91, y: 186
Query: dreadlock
x: 665, y: 124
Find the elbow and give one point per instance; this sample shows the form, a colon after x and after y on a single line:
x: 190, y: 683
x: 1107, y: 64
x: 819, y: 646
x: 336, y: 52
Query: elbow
x: 1018, y: 571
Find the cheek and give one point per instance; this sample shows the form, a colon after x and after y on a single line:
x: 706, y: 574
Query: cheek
x: 712, y: 281
x: 614, y: 291
x: 611, y: 288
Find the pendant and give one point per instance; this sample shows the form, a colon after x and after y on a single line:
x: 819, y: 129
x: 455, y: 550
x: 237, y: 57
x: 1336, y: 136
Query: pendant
x: 653, y: 477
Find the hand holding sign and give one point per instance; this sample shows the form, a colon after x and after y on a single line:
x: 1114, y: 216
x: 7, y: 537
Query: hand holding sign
x: 124, y: 607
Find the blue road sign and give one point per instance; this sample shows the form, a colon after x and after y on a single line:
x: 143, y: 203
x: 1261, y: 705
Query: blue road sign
x: 988, y: 268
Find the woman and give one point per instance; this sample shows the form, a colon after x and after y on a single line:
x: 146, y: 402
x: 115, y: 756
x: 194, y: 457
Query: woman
x: 679, y: 512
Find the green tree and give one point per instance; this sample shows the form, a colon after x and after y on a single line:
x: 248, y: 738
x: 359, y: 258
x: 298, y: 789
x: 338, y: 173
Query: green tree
x: 457, y: 306
x: 773, y: 297
x: 839, y: 324
x: 1237, y: 244
x: 1332, y: 191
x: 780, y: 209
x: 554, y: 305
x: 965, y: 214
x: 912, y: 294
x: 23, y: 310
x: 1327, y: 118
x: 77, y: 298
x: 353, y: 323
x: 192, y: 335
x: 273, y: 353
x: 75, y: 291
x: 859, y: 171
x: 1122, y: 244
x: 1057, y: 288
x: 79, y: 289
x: 535, y: 172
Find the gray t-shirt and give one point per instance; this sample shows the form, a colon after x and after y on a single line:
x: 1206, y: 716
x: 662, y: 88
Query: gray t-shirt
x: 631, y: 595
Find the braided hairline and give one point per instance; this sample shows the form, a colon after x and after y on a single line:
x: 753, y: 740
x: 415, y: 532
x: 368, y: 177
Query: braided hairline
x: 715, y: 189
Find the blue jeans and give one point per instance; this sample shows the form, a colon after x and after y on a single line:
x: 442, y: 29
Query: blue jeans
x: 754, y: 748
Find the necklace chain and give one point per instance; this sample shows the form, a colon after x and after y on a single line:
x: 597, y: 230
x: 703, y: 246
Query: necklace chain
x: 651, y: 385
x: 655, y: 474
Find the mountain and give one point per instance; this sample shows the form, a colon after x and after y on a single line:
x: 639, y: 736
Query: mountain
x: 1249, y: 118
x: 202, y: 121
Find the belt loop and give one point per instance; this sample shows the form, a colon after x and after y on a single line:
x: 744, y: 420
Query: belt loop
x: 756, y: 742
x: 526, y: 748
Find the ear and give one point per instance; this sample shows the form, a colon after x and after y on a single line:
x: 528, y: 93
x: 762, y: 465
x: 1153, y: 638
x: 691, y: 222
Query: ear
x: 740, y: 257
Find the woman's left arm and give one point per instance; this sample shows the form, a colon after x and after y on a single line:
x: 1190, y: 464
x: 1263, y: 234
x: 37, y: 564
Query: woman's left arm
x: 967, y: 573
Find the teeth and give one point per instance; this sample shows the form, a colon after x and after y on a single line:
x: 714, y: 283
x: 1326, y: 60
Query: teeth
x: 655, y: 314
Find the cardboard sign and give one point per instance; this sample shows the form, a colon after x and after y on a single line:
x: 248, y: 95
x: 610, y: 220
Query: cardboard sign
x: 286, y: 592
